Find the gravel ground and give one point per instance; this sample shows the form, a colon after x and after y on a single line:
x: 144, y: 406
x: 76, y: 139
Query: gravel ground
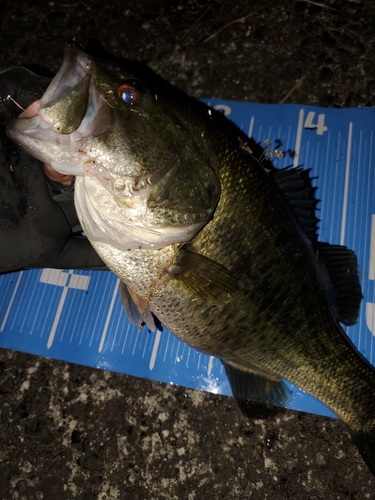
x: 70, y: 432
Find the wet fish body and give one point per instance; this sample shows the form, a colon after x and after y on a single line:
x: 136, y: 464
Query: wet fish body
x: 203, y: 237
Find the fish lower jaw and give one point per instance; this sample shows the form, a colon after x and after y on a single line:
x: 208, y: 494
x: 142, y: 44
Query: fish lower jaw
x: 37, y: 138
x: 128, y: 235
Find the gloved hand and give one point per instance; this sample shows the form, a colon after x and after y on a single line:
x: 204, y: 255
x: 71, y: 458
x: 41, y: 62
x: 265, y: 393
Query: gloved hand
x: 38, y: 222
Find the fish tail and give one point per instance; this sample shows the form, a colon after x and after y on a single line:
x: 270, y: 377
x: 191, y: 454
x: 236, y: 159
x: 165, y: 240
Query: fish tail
x: 365, y: 442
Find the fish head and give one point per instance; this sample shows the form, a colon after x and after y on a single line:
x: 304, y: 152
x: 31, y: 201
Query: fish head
x: 145, y: 175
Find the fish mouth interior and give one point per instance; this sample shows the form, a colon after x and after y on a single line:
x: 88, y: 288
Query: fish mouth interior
x: 31, y: 111
x: 75, y: 66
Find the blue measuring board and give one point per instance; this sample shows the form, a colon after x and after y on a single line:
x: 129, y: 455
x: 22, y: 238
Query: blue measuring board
x: 77, y: 316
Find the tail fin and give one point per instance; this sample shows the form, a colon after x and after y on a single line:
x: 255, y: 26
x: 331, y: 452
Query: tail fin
x: 365, y: 443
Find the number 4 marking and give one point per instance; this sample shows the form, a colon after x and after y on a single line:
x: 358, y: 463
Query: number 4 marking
x: 319, y: 126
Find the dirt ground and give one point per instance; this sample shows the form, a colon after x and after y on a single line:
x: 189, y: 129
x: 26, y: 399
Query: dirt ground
x: 71, y: 432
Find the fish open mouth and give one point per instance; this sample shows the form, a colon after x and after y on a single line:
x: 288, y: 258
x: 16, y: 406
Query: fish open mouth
x: 70, y: 110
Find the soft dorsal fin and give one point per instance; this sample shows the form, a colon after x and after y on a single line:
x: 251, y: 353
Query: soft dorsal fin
x: 296, y: 186
x: 342, y: 268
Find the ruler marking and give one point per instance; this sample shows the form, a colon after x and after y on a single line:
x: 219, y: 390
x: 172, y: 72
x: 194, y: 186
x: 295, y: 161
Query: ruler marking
x: 11, y: 301
x: 346, y: 185
x: 297, y: 148
x: 155, y: 349
x: 109, y: 315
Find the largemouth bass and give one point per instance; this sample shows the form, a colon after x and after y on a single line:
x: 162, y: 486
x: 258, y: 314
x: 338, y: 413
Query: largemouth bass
x: 221, y: 250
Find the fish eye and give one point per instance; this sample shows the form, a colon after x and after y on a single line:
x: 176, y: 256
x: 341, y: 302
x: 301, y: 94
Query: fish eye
x: 129, y: 94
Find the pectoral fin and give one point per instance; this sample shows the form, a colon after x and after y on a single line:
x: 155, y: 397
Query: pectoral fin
x: 203, y: 277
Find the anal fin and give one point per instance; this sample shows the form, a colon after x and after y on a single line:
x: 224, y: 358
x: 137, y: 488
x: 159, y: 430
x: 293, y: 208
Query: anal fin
x: 253, y: 386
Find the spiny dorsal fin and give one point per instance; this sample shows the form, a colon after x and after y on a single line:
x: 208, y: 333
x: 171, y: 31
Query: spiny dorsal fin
x: 203, y: 277
x: 296, y: 186
x: 342, y: 268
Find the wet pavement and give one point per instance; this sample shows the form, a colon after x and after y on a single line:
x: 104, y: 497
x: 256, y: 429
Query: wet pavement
x: 72, y: 432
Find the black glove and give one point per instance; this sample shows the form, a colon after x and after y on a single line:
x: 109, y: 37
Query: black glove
x: 38, y: 222
x: 19, y: 87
